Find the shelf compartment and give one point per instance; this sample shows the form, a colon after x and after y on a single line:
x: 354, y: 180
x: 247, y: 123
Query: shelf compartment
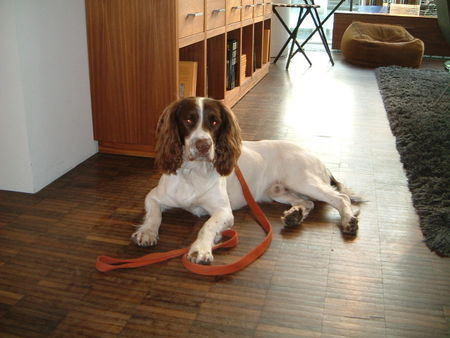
x: 257, y: 45
x: 196, y: 52
x: 234, y: 95
x: 233, y: 59
x: 215, y: 67
x: 266, y: 41
x: 247, y: 49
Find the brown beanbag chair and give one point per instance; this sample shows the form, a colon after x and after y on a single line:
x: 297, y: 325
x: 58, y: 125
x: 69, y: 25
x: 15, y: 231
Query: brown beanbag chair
x: 375, y: 45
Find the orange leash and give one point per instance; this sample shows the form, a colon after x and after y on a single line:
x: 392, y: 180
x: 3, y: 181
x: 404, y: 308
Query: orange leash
x: 105, y: 263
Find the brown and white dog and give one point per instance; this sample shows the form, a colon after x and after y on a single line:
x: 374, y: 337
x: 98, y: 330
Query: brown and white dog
x: 198, y: 147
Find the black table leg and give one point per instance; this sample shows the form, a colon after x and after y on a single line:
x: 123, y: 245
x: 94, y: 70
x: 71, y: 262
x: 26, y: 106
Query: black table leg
x: 319, y: 26
x: 293, y: 36
x: 323, y: 21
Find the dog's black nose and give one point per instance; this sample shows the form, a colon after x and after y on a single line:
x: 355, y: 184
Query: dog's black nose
x: 203, y: 145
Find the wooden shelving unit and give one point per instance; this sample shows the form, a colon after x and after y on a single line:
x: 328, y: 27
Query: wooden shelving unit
x: 134, y: 50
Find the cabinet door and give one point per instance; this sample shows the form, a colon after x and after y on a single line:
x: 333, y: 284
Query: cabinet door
x: 215, y: 14
x: 247, y: 9
x: 191, y: 17
x: 268, y: 7
x: 133, y: 63
x: 233, y: 11
x: 259, y: 8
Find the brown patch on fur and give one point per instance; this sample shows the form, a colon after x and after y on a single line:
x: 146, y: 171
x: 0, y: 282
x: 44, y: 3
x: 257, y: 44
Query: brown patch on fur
x: 169, y: 143
x: 227, y: 141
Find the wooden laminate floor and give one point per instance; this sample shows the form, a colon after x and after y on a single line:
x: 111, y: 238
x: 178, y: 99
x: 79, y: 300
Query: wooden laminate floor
x: 311, y: 282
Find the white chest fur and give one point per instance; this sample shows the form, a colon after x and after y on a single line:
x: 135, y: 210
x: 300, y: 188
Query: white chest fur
x: 190, y: 186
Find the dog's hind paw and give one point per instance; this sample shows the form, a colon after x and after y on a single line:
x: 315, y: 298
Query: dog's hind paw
x: 351, y: 228
x: 292, y: 217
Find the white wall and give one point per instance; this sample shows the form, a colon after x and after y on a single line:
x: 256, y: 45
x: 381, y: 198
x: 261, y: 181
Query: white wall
x: 279, y: 34
x: 45, y: 113
x: 15, y: 163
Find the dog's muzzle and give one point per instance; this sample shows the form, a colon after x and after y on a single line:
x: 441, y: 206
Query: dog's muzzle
x: 201, y: 149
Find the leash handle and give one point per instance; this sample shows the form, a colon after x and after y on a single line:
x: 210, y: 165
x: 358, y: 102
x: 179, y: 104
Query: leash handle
x: 106, y: 263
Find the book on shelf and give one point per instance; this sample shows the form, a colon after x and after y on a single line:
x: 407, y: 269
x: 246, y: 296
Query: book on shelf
x: 187, y: 75
x: 232, y: 64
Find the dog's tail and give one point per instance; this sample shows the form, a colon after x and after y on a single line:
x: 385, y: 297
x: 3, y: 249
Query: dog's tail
x: 345, y: 190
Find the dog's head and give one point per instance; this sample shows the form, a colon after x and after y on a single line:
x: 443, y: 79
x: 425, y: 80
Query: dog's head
x: 197, y: 129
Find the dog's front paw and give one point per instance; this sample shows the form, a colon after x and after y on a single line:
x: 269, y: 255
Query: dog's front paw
x: 144, y: 237
x: 200, y: 253
x: 351, y: 228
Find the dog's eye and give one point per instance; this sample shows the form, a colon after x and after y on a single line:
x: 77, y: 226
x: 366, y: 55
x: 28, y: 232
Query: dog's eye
x: 214, y: 122
x: 189, y: 122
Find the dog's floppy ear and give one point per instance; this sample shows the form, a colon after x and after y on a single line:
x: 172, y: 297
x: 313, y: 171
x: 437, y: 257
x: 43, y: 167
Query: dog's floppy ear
x: 169, y: 148
x: 228, y: 142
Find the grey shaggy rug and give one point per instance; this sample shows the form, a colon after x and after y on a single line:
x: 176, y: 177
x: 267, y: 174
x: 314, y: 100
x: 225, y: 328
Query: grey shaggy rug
x: 417, y: 102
